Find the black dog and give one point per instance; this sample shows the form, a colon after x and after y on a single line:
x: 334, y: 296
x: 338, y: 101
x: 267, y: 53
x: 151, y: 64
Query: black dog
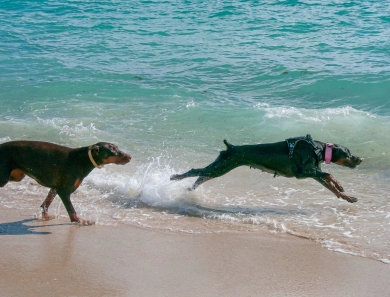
x: 298, y: 157
x: 60, y: 168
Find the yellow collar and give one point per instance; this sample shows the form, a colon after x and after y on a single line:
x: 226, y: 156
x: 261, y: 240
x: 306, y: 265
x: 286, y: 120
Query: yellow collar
x: 93, y: 161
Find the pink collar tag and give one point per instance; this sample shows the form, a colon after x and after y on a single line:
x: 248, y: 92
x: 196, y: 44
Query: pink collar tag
x: 328, y: 152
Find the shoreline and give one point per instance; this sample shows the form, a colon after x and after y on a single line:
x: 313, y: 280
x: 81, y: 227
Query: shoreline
x: 124, y: 260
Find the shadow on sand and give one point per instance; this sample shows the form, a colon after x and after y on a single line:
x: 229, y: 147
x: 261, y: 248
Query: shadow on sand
x: 21, y: 228
x: 193, y: 209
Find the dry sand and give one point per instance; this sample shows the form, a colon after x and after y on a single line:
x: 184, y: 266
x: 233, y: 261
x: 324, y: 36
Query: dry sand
x: 59, y: 259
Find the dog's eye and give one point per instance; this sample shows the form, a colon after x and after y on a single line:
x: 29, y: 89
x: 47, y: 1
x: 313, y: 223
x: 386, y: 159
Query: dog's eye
x: 114, y: 149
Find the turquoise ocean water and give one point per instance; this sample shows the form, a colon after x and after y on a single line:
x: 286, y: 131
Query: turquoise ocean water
x: 169, y: 80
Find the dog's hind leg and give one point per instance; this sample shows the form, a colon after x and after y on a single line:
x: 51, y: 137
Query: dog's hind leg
x: 3, y: 181
x: 16, y: 175
x: 4, y: 174
x: 202, y: 173
x: 218, y: 168
x: 191, y: 173
x: 200, y: 181
x: 225, y: 162
x: 4, y: 177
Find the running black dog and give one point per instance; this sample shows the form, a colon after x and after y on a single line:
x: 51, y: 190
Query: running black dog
x: 60, y: 168
x: 298, y: 157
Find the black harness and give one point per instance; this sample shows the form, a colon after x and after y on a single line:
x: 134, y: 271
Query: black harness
x: 292, y: 142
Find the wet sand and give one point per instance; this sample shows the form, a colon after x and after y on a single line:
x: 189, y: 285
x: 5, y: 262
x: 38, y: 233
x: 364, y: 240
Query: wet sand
x: 57, y: 258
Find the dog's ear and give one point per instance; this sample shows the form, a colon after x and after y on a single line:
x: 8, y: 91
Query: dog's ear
x: 94, y: 149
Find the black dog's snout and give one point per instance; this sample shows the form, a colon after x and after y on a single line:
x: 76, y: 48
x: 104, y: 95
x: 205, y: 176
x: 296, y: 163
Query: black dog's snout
x: 357, y: 159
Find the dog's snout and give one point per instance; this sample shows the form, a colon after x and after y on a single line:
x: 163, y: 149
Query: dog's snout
x: 126, y: 157
x: 357, y: 159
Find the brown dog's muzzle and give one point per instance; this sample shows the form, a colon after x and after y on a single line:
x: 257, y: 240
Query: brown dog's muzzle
x: 120, y: 159
x: 123, y: 159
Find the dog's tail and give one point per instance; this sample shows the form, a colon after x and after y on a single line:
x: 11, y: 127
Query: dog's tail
x: 228, y: 145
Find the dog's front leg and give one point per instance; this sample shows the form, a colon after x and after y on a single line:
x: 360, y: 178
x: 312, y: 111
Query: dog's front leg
x: 315, y: 173
x: 331, y: 179
x: 45, y: 205
x: 65, y: 197
x: 327, y: 183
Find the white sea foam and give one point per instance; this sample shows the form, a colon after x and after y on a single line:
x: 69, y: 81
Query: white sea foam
x: 4, y: 139
x: 190, y: 104
x: 68, y: 127
x: 317, y: 115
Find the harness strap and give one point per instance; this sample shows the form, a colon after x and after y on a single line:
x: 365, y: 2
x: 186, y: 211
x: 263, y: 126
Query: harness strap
x: 292, y: 142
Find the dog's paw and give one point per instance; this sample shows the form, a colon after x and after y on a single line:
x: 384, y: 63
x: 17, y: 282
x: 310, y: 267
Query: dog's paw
x: 86, y: 223
x: 46, y: 217
x: 348, y: 198
x: 82, y: 223
x: 176, y: 177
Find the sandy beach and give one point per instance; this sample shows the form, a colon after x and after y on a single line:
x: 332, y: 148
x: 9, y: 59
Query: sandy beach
x: 60, y: 259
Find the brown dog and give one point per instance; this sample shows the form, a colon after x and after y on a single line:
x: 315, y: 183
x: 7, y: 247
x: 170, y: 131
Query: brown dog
x: 60, y: 168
